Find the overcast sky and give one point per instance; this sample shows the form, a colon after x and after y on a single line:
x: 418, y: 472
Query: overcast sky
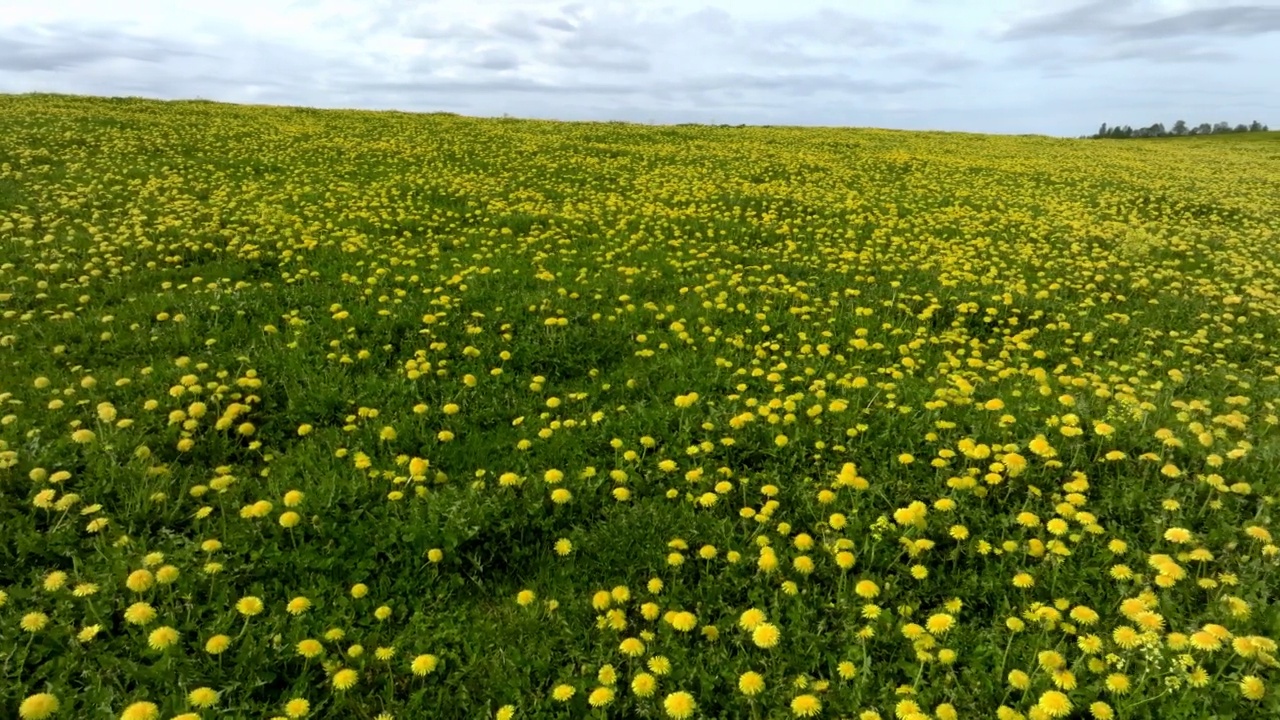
x: 1057, y: 67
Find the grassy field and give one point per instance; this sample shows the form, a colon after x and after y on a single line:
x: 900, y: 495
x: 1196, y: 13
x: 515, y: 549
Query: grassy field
x: 370, y: 415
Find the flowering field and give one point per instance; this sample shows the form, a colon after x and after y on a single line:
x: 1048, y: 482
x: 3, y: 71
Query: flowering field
x: 374, y: 415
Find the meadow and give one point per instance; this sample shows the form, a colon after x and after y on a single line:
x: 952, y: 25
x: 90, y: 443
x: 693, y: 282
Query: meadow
x: 344, y: 414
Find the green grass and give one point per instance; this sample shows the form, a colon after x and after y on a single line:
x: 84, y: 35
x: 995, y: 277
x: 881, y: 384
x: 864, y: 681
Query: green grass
x: 936, y: 308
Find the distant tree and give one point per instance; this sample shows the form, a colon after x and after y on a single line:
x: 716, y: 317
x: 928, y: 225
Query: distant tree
x: 1180, y: 128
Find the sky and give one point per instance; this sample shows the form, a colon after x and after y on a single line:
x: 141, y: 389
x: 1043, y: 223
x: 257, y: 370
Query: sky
x: 1053, y: 67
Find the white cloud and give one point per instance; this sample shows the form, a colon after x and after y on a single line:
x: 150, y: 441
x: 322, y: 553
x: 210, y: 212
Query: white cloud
x: 1057, y: 67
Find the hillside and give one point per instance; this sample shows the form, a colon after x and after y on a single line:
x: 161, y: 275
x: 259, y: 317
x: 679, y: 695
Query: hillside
x: 345, y: 414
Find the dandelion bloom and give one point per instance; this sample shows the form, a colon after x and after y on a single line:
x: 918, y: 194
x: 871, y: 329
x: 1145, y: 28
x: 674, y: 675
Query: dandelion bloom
x: 308, y: 648
x: 679, y: 705
x: 766, y: 635
x: 249, y: 606
x: 751, y: 683
x: 345, y: 679
x: 141, y: 711
x: 38, y: 707
x: 563, y: 692
x: 297, y: 708
x: 600, y: 697
x: 140, y: 614
x: 659, y: 665
x: 940, y: 623
x: 1252, y: 687
x: 84, y: 590
x: 644, y: 684
x: 1206, y: 641
x: 1019, y: 679
x: 806, y: 706
x: 34, y: 622
x: 1054, y: 704
x: 203, y: 697
x: 751, y: 619
x: 424, y: 664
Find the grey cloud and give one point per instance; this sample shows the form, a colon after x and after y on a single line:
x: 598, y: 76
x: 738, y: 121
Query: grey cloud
x: 706, y: 87
x: 1234, y: 20
x: 1088, y: 19
x: 1163, y: 53
x: 66, y: 46
x: 1103, y: 19
x: 839, y: 28
x: 1067, y: 61
x: 795, y: 84
x: 790, y: 55
x: 517, y: 27
x: 498, y: 85
x: 934, y: 62
x: 496, y: 59
x: 713, y: 19
x: 596, y: 61
x: 428, y: 30
x: 556, y: 23
x: 592, y: 37
x: 672, y: 62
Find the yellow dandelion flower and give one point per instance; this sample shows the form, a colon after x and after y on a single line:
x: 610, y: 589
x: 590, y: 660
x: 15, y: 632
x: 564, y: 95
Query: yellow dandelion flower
x: 308, y: 648
x: 1054, y: 704
x: 203, y: 697
x: 644, y: 685
x: 141, y: 711
x: 162, y: 638
x: 249, y: 605
x: 680, y: 705
x: 600, y: 697
x: 38, y: 707
x: 806, y: 706
x: 1252, y: 687
x: 345, y: 679
x: 297, y: 708
x: 424, y: 664
x: 751, y: 683
x: 766, y: 635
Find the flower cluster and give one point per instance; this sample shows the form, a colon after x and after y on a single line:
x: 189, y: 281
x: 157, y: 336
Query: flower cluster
x: 341, y: 414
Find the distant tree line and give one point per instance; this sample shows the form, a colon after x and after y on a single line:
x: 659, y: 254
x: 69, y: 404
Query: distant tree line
x: 1179, y: 129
